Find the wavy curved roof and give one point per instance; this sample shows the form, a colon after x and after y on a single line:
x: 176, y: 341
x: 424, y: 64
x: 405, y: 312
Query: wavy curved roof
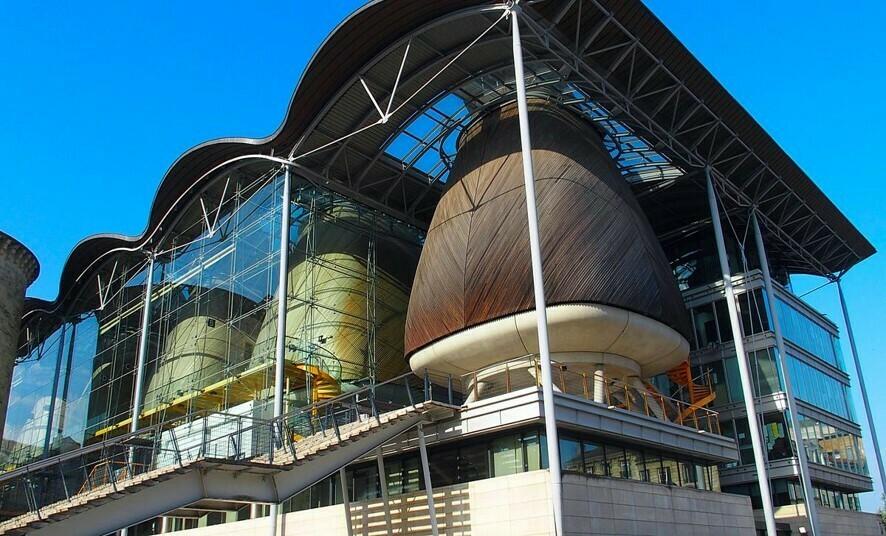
x: 613, y: 59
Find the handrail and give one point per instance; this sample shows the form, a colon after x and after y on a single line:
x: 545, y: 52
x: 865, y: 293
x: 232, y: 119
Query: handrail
x: 122, y: 439
x: 618, y: 394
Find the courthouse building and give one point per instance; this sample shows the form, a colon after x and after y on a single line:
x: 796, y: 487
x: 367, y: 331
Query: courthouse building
x: 503, y: 268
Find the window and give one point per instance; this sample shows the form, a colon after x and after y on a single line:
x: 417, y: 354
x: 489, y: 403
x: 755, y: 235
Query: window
x: 365, y: 484
x: 705, y: 325
x: 733, y: 379
x: 818, y: 388
x: 473, y: 462
x: 725, y: 327
x: 507, y: 456
x: 809, y: 334
x: 764, y: 370
x: 753, y: 312
x: 571, y: 455
x: 595, y: 459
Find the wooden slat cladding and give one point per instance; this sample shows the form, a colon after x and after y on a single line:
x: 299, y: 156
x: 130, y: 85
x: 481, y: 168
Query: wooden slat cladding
x: 597, y: 245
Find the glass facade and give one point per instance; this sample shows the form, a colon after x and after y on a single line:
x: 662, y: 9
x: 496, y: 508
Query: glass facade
x: 825, y: 444
x: 813, y: 348
x: 786, y: 492
x: 726, y: 379
x: 601, y: 458
x: 214, y: 317
x: 813, y: 386
x: 777, y: 441
x: 711, y: 320
x: 809, y: 335
x: 507, y: 454
x: 828, y: 445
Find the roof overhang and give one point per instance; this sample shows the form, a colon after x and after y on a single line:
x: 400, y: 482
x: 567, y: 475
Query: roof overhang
x: 663, y: 116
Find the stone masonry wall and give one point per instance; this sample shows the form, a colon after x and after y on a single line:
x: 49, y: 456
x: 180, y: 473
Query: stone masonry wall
x: 18, y: 269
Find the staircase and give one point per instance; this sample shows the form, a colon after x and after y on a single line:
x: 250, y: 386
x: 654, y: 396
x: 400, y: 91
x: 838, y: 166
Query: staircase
x: 325, y: 387
x: 139, y: 476
x: 700, y: 394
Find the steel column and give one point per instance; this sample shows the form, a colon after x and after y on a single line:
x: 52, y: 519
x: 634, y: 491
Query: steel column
x: 383, y: 482
x: 62, y: 410
x: 142, y: 356
x: 805, y: 480
x: 47, y: 441
x: 537, y: 278
x: 747, y: 385
x: 282, y: 302
x: 142, y: 347
x: 864, y: 390
x: 429, y: 486
x: 599, y: 385
x: 346, y: 501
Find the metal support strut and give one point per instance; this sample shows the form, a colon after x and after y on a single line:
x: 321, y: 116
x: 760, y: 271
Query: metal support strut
x: 282, y: 302
x: 538, y: 279
x: 805, y: 480
x: 345, y: 499
x: 861, y: 385
x: 747, y: 385
x: 383, y: 482
x: 429, y: 486
x: 141, y: 359
x: 144, y: 336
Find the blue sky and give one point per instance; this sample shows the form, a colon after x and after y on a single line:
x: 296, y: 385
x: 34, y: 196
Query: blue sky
x: 97, y: 100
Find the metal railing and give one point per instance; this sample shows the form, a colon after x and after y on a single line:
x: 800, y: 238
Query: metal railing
x: 109, y: 465
x: 524, y: 372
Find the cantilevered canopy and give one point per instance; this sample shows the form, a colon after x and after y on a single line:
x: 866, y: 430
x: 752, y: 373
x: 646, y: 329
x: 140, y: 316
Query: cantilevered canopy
x: 379, y: 107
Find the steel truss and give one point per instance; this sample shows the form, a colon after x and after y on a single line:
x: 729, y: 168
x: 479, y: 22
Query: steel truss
x: 659, y: 132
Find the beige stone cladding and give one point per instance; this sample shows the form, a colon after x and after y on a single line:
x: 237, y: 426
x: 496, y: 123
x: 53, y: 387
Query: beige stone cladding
x: 518, y: 505
x: 833, y: 521
x: 610, y: 506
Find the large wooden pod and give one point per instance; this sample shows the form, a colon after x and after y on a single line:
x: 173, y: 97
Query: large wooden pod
x: 611, y: 294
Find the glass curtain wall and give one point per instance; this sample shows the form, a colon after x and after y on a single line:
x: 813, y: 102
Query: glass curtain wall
x: 828, y: 445
x: 81, y: 377
x: 214, y: 316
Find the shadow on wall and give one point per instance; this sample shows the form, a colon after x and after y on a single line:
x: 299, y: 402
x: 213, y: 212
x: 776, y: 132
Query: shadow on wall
x: 409, y: 513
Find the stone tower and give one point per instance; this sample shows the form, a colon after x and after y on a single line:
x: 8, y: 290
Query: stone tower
x: 18, y: 269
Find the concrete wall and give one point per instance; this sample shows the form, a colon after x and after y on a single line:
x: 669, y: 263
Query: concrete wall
x: 518, y: 505
x: 18, y: 269
x: 833, y: 521
x: 609, y: 506
x: 513, y: 505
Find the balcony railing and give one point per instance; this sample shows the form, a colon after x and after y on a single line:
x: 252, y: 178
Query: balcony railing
x: 525, y: 372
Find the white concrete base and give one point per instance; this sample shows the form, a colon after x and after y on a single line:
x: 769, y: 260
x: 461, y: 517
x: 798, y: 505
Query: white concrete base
x: 586, y: 334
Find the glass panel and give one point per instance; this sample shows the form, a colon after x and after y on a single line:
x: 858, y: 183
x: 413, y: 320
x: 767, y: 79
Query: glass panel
x: 775, y: 435
x: 705, y: 325
x: 444, y: 467
x: 634, y: 464
x: 733, y: 379
x: 595, y: 458
x: 725, y: 327
x: 507, y: 456
x: 571, y: 454
x: 765, y: 371
x: 473, y: 463
x: 365, y: 483
x: 532, y: 451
